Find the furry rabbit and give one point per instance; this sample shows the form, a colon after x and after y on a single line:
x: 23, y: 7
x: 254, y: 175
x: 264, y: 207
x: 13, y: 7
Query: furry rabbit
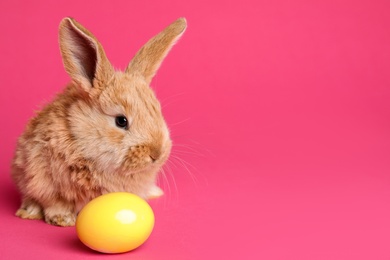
x: 103, y: 133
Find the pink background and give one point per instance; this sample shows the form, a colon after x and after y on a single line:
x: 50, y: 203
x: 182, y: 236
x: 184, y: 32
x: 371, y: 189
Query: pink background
x: 280, y: 111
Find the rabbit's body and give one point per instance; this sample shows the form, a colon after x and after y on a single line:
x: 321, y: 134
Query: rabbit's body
x: 103, y: 133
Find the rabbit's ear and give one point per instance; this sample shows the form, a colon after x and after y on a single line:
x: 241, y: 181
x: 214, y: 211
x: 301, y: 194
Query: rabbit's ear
x: 82, y: 54
x: 149, y: 58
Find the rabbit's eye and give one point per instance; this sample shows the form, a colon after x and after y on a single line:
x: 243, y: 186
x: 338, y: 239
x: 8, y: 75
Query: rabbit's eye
x: 121, y: 122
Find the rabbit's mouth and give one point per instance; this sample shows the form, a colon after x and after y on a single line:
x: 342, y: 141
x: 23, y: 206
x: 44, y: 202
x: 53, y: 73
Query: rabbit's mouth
x: 148, y: 164
x: 141, y: 170
x: 146, y: 157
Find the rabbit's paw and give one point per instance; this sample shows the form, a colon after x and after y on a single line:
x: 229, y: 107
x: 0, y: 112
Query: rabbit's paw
x: 29, y: 210
x: 60, y: 215
x: 155, y: 192
x: 66, y: 220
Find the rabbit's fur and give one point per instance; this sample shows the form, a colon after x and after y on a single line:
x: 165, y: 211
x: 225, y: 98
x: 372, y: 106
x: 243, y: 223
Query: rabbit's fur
x: 73, y: 150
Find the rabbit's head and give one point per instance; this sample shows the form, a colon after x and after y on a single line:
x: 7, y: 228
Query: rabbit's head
x: 115, y: 117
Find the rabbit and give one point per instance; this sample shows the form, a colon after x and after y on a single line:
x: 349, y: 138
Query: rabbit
x: 104, y: 133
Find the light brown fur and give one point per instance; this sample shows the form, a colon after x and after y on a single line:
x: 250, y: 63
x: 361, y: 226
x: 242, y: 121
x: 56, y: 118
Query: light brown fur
x: 72, y: 151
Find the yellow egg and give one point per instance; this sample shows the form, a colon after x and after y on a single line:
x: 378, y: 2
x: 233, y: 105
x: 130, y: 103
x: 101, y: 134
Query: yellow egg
x: 115, y: 222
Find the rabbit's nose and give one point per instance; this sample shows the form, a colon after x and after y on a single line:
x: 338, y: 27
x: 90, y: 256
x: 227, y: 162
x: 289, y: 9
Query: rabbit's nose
x: 155, y: 154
